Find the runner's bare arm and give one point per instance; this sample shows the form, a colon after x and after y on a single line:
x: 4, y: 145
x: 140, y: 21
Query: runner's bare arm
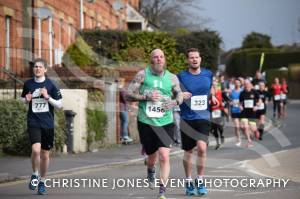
x: 133, y: 91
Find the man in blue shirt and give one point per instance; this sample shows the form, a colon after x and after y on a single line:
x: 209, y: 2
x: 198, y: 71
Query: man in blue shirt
x: 235, y: 109
x: 196, y: 85
x: 42, y: 96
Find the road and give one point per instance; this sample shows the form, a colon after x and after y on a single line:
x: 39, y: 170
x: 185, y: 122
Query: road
x: 233, y: 172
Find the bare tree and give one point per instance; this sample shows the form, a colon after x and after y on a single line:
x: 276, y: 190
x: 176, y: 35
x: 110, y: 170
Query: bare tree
x: 173, y: 14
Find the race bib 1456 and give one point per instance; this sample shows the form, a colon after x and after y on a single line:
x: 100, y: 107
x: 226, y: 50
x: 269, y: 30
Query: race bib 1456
x: 154, y: 109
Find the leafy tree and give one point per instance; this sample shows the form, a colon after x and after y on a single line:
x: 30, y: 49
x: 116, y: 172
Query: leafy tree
x: 257, y: 40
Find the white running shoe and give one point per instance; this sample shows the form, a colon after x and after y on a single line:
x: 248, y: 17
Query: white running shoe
x: 238, y: 144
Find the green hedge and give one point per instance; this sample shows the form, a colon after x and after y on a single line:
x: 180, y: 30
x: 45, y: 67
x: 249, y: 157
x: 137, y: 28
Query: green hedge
x: 294, y: 72
x: 280, y: 59
x: 116, y: 46
x: 80, y: 54
x: 97, y: 122
x: 272, y: 73
x: 13, y: 135
x: 96, y: 117
x: 208, y: 42
x: 246, y: 61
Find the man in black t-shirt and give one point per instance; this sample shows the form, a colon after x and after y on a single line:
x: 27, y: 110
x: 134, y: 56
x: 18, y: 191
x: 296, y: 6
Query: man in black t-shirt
x: 248, y: 101
x: 42, y: 96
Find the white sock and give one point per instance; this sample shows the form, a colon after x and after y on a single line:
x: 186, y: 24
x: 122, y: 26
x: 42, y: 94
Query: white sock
x: 189, y: 179
x: 200, y: 177
x: 36, y: 173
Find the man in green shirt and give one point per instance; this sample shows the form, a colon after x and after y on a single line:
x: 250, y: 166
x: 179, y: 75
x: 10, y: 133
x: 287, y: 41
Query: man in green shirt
x: 157, y: 91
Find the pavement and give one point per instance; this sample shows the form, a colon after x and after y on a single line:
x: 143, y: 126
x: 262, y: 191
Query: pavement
x: 15, y: 168
x: 287, y: 165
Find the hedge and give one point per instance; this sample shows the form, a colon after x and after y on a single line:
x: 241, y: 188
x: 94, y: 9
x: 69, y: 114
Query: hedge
x: 80, y: 54
x: 96, y: 117
x: 294, y: 72
x: 115, y: 47
x: 96, y: 122
x: 272, y: 73
x: 208, y: 42
x: 246, y: 61
x: 13, y: 135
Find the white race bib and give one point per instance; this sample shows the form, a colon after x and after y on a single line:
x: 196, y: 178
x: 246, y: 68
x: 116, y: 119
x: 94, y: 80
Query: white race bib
x: 256, y: 87
x: 283, y: 96
x: 40, y: 105
x: 249, y: 103
x: 236, y: 103
x: 154, y: 109
x: 199, y: 102
x: 216, y: 114
x: 276, y: 97
x: 261, y: 106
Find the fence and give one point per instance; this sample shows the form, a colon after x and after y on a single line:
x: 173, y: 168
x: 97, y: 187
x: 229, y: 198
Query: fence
x: 17, y: 59
x: 9, y: 88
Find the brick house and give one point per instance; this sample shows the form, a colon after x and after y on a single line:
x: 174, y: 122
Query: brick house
x: 45, y: 28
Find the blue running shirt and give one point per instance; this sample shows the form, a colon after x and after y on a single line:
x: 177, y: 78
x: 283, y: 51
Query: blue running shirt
x: 197, y: 107
x: 235, y: 98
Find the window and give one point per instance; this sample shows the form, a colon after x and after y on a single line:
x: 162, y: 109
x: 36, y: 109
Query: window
x: 7, y: 41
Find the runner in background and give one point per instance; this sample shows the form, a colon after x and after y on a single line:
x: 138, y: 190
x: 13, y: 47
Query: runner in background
x: 217, y: 121
x: 283, y: 96
x: 248, y: 101
x: 264, y: 97
x: 276, y: 92
x: 257, y: 79
x: 235, y: 109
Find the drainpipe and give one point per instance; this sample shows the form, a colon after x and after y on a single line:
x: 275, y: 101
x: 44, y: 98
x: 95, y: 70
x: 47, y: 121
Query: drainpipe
x: 32, y: 28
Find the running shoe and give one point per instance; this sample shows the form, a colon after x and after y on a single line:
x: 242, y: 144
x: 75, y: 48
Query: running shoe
x: 41, y: 188
x: 162, y: 191
x: 201, y: 189
x: 161, y: 196
x: 190, y: 189
x: 34, y: 181
x: 217, y: 146
x: 238, y: 144
x: 249, y: 144
x: 127, y: 139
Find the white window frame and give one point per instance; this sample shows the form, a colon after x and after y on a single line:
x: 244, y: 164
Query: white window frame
x: 7, y: 41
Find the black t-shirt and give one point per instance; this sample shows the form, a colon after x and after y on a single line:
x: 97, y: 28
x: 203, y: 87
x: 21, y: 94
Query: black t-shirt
x: 40, y: 113
x: 263, y: 95
x: 248, y: 100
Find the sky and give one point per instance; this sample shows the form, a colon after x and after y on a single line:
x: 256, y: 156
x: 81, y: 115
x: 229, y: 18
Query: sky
x: 234, y: 19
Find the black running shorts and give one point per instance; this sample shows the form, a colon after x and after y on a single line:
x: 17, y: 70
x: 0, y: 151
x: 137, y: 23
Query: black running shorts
x: 41, y: 135
x: 192, y: 131
x: 154, y: 137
